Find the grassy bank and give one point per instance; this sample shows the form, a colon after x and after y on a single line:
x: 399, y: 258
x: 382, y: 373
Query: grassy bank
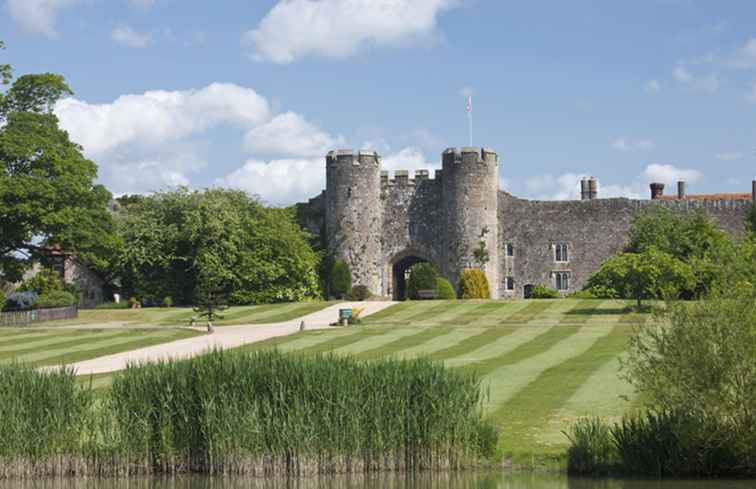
x: 180, y: 316
x: 545, y: 363
x: 259, y: 414
x: 41, y: 347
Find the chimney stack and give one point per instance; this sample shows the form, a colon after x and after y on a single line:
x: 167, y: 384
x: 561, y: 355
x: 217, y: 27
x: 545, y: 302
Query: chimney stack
x: 584, y: 189
x: 680, y: 189
x: 592, y: 188
x: 657, y: 190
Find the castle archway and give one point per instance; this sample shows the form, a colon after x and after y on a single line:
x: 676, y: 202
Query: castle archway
x: 399, y: 268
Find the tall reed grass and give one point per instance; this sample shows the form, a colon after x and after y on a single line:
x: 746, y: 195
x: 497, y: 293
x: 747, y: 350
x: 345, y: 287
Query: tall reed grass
x: 259, y: 414
x: 661, y: 444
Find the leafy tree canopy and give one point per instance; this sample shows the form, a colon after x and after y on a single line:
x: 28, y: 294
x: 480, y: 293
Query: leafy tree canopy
x: 186, y: 244
x: 48, y: 194
x: 34, y: 93
x: 651, y: 274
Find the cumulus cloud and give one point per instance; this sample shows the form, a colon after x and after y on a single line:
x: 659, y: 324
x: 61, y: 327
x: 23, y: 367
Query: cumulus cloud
x: 127, y: 36
x: 152, y: 140
x: 625, y: 145
x: 38, y: 17
x: 652, y: 87
x: 745, y: 57
x: 280, y: 181
x: 160, y: 116
x: 296, y: 29
x: 696, y: 83
x: 670, y: 174
x: 567, y: 185
x: 290, y: 134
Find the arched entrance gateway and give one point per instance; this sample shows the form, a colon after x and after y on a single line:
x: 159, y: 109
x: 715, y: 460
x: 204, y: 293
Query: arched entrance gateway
x: 399, y: 268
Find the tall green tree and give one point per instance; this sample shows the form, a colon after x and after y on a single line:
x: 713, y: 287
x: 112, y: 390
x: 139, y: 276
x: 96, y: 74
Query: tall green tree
x: 48, y: 194
x: 652, y: 274
x: 257, y: 254
x: 751, y: 219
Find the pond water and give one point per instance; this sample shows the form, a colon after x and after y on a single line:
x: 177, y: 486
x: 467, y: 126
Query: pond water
x: 442, y: 481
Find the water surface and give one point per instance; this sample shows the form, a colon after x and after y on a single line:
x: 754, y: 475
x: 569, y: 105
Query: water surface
x: 437, y: 481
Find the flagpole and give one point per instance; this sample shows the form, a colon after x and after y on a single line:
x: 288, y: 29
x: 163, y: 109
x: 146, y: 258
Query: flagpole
x: 469, y: 120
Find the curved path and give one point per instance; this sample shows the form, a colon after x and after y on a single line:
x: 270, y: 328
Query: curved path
x: 223, y: 337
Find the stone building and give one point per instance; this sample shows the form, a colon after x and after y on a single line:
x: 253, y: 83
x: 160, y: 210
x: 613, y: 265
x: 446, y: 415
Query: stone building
x: 381, y: 226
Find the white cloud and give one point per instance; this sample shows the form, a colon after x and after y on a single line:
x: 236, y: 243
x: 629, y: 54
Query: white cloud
x: 745, y: 57
x: 567, y: 185
x: 696, y: 83
x: 280, y: 181
x: 127, y: 36
x: 625, y: 145
x: 38, y: 17
x: 729, y: 156
x: 289, y: 134
x: 157, y: 117
x: 652, y: 87
x: 295, y: 29
x: 410, y: 158
x: 670, y: 174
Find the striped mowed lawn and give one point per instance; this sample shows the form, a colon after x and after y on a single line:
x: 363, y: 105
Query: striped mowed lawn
x: 40, y: 347
x: 542, y: 363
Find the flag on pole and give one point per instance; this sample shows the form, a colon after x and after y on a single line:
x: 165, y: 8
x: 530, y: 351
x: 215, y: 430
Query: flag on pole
x: 468, y: 108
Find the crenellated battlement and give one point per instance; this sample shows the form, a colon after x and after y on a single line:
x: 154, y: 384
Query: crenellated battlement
x: 468, y: 155
x: 402, y: 178
x: 355, y: 158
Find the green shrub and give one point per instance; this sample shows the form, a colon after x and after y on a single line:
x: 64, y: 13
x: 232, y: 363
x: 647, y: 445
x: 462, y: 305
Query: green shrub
x: 473, y: 284
x: 595, y: 292
x: 543, y: 292
x: 592, y: 449
x: 55, y: 298
x: 445, y: 289
x: 361, y: 293
x: 422, y: 277
x: 167, y: 301
x: 2, y: 300
x: 45, y: 281
x: 341, y: 280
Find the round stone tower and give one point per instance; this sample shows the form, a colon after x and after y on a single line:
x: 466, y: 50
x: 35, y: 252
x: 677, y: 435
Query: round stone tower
x: 470, y: 199
x: 353, y: 213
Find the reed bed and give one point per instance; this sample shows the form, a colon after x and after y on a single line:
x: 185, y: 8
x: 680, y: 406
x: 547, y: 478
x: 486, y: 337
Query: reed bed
x: 259, y: 414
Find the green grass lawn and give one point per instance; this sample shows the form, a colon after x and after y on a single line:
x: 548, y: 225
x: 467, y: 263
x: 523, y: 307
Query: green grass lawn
x: 41, y: 347
x: 180, y: 316
x: 543, y: 363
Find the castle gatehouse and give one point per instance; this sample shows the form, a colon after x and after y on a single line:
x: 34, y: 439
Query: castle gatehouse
x: 458, y: 218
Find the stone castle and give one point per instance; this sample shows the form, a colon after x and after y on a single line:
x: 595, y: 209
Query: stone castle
x: 382, y: 226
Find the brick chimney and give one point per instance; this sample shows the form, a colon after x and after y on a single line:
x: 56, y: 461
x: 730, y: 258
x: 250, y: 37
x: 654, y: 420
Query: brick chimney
x: 680, y: 189
x: 657, y: 190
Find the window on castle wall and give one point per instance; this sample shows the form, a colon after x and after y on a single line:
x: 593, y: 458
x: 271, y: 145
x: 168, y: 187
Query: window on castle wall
x: 510, y: 283
x: 562, y: 280
x: 510, y: 249
x: 561, y: 252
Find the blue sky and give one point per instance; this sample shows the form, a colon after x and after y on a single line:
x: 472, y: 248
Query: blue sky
x: 251, y: 94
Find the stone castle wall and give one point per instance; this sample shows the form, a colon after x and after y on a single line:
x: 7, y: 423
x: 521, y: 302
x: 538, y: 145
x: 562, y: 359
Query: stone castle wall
x: 372, y: 221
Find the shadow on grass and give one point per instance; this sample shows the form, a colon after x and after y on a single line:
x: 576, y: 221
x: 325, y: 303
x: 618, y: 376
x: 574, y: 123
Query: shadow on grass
x: 611, y: 311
